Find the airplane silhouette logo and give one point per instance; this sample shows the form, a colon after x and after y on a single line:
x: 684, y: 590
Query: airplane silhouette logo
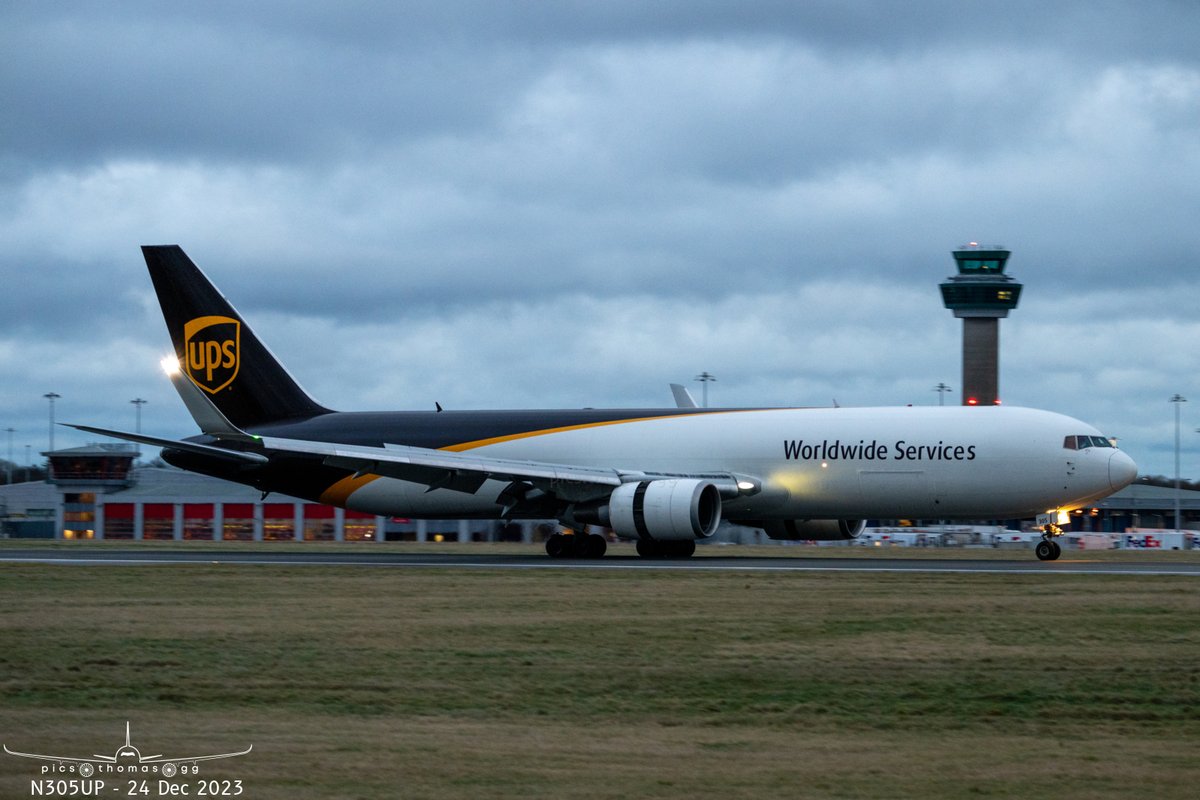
x: 127, y: 754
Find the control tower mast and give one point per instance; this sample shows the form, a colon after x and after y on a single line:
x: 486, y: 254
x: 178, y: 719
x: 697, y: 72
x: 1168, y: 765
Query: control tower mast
x: 981, y: 295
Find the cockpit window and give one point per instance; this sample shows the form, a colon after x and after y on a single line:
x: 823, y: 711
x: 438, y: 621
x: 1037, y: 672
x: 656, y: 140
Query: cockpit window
x: 1082, y: 442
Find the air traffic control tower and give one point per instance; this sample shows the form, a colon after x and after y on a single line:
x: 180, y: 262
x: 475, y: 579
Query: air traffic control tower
x: 981, y: 295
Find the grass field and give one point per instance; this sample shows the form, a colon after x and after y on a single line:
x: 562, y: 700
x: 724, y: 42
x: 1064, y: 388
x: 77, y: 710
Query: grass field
x: 439, y: 683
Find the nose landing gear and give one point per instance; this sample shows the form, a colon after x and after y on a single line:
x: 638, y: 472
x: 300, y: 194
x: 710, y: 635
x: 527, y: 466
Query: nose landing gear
x: 1048, y: 549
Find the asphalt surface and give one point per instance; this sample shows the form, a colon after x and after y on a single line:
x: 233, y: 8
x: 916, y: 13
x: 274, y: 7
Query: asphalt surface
x: 1025, y: 564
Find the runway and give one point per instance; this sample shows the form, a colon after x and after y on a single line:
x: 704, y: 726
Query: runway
x: 1025, y: 565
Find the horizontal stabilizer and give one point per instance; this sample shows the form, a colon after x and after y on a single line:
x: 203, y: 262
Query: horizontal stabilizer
x: 172, y: 444
x: 204, y: 411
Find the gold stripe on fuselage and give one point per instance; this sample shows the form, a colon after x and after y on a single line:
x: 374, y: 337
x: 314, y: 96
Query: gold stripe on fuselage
x: 339, y: 493
x: 513, y: 437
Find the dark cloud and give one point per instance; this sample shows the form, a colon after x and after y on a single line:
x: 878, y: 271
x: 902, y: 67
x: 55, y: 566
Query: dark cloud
x: 432, y: 198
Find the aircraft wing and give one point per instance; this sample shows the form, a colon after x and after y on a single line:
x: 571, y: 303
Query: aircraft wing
x: 193, y: 759
x: 462, y: 472
x: 436, y: 469
x: 58, y: 758
x: 465, y: 472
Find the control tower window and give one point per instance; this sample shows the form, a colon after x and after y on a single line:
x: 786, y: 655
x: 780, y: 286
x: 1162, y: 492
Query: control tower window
x: 980, y: 265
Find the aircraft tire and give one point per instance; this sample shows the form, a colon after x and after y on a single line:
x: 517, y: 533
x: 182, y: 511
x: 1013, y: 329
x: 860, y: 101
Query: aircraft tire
x: 647, y: 548
x: 1047, y: 550
x: 684, y: 549
x: 1057, y: 550
x: 557, y: 546
x: 595, y: 546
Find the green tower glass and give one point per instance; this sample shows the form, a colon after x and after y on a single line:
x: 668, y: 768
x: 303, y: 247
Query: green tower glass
x: 981, y: 295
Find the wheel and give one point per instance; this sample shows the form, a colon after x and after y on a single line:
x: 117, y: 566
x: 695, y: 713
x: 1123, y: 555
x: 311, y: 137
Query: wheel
x: 1057, y: 550
x: 558, y: 546
x: 1045, y: 550
x: 647, y: 548
x: 596, y: 546
x: 683, y: 549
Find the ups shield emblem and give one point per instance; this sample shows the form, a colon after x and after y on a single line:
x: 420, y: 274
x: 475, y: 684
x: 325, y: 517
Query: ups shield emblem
x: 213, y: 351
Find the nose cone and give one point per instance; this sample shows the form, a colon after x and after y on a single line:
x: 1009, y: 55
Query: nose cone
x: 1121, y: 470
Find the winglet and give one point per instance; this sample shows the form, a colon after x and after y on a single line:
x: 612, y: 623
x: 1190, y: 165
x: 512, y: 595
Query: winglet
x: 683, y: 398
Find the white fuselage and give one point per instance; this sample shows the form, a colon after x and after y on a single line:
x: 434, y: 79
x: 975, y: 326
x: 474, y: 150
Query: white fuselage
x: 918, y: 462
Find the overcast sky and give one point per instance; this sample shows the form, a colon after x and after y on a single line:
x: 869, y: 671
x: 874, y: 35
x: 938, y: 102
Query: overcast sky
x: 565, y: 204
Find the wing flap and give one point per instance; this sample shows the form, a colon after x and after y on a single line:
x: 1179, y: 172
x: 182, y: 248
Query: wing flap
x: 441, y: 469
x: 433, y: 477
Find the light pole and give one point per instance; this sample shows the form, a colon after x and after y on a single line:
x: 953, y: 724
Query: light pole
x: 705, y: 379
x: 8, y: 476
x: 941, y: 389
x: 51, y: 396
x: 1178, y: 400
x: 138, y: 403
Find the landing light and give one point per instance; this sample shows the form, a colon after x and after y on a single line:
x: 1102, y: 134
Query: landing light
x: 170, y: 365
x: 1061, y: 516
x: 745, y: 486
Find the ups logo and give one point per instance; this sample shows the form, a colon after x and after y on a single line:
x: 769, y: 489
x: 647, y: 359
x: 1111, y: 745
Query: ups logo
x: 213, y: 347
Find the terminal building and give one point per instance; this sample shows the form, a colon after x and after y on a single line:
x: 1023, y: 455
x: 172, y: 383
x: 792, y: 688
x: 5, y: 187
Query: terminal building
x: 97, y: 492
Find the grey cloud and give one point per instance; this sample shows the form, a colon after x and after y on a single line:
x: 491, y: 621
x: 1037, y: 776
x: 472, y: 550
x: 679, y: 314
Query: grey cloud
x: 431, y: 198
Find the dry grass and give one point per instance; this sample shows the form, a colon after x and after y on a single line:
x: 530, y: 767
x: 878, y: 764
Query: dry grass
x: 443, y: 683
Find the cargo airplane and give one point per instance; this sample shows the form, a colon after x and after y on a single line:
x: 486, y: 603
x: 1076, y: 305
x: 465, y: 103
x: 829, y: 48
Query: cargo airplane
x: 663, y: 477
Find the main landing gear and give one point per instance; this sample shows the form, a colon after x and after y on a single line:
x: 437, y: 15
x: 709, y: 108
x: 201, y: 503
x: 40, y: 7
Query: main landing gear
x: 652, y: 548
x: 592, y: 545
x: 576, y: 545
x: 1048, y: 549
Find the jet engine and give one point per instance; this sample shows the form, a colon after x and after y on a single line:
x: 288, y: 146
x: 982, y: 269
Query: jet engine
x: 826, y: 530
x: 665, y: 510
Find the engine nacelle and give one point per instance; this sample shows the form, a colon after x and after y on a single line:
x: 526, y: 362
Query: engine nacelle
x: 666, y: 510
x: 826, y: 530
